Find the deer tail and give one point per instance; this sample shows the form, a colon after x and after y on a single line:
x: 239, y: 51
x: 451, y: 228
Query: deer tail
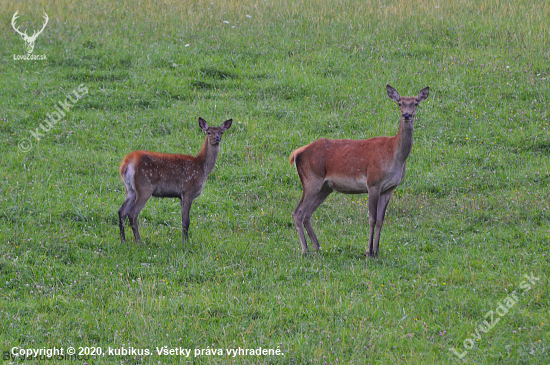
x: 295, y: 154
x: 122, y: 169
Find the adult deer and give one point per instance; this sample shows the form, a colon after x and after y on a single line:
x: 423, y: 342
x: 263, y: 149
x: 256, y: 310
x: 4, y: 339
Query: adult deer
x: 375, y: 166
x: 164, y: 175
x: 29, y: 41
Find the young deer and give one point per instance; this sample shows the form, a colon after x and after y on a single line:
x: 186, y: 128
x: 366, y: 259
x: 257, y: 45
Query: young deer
x: 375, y: 166
x: 167, y: 176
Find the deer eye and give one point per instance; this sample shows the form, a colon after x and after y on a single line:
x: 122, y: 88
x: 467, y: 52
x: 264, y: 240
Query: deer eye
x: 399, y: 104
x: 415, y: 104
x: 208, y: 133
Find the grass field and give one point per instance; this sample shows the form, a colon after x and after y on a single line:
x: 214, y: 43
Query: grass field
x: 470, y: 220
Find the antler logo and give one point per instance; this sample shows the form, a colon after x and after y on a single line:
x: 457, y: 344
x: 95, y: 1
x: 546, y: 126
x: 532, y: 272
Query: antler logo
x: 29, y: 41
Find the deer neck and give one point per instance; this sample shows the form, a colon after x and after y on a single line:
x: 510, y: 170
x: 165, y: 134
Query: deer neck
x: 208, y: 155
x: 404, y: 140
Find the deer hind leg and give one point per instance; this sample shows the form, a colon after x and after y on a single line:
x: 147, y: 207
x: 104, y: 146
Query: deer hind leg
x: 131, y: 194
x: 139, y: 203
x: 380, y: 214
x: 298, y: 216
x: 123, y: 212
x: 318, y: 200
x: 311, y: 199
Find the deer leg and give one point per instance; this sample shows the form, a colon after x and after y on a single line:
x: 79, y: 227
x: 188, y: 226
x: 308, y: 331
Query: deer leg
x: 123, y: 213
x: 319, y: 199
x: 374, y: 195
x: 299, y: 214
x: 380, y: 213
x: 185, y: 221
x: 138, y: 205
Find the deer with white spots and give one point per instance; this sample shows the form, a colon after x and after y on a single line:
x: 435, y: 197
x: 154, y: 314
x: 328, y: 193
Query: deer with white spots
x: 164, y: 175
x: 375, y: 166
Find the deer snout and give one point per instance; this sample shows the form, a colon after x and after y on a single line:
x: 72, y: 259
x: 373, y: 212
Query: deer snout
x: 407, y: 115
x: 217, y: 139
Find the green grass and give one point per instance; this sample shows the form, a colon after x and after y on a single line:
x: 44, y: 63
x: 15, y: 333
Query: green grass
x: 471, y: 218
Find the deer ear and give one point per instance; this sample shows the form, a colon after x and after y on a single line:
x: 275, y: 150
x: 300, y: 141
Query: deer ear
x: 392, y: 93
x: 227, y: 124
x: 423, y: 94
x: 203, y: 125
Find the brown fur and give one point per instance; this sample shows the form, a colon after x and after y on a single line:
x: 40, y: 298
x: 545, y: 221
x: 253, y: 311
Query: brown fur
x: 165, y: 175
x: 375, y: 166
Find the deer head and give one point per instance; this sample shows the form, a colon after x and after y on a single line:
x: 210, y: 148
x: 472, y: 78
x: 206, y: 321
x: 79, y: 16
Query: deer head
x: 29, y: 41
x: 407, y: 105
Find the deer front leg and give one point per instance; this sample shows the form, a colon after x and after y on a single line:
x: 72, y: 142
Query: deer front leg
x: 374, y: 195
x: 185, y: 221
x: 380, y: 214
